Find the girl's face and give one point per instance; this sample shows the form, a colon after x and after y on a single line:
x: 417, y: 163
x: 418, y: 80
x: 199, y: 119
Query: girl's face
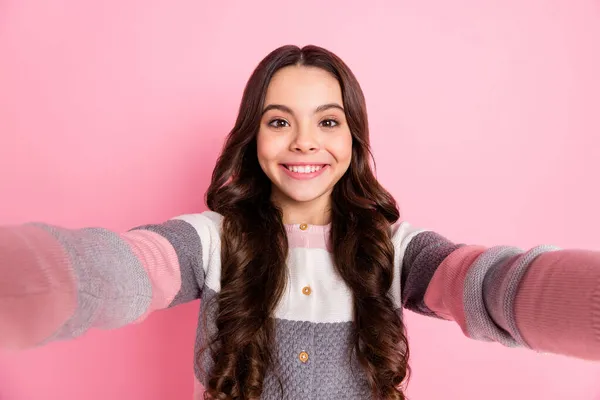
x: 304, y: 142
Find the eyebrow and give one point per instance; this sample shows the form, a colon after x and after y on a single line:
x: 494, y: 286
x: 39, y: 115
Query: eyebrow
x: 288, y: 110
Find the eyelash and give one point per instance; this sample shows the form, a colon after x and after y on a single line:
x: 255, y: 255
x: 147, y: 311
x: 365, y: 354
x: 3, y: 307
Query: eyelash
x: 335, y: 121
x: 274, y: 123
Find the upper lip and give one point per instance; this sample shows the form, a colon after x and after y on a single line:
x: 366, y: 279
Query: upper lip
x: 297, y: 164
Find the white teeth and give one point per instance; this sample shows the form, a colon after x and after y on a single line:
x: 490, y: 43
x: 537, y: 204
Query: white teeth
x: 304, y: 169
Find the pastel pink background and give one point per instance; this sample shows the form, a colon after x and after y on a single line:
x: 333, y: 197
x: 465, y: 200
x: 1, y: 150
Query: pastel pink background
x: 485, y: 121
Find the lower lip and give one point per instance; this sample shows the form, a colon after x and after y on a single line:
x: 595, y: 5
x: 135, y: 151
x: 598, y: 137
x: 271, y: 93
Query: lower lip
x: 303, y: 176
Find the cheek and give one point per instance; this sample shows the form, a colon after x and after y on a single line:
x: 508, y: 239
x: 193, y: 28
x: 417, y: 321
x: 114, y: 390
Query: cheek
x: 262, y: 146
x: 342, y: 149
x: 266, y: 150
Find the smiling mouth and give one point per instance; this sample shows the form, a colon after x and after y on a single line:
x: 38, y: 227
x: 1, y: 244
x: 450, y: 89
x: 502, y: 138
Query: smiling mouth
x: 304, y: 172
x: 304, y: 169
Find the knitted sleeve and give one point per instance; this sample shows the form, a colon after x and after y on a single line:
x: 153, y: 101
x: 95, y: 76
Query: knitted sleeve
x: 57, y: 283
x: 543, y: 298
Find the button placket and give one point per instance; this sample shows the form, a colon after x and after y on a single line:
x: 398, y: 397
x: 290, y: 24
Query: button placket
x: 306, y: 290
x: 304, y: 357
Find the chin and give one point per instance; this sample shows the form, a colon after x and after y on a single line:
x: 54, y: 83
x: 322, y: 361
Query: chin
x: 301, y: 196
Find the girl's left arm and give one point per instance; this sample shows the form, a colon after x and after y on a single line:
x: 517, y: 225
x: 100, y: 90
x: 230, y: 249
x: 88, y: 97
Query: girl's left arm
x: 544, y: 298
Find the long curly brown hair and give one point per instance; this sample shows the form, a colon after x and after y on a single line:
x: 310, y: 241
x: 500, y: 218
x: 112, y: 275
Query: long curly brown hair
x: 255, y: 247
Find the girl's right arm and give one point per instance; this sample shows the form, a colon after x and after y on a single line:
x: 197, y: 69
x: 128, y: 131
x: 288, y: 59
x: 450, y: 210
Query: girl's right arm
x: 56, y: 283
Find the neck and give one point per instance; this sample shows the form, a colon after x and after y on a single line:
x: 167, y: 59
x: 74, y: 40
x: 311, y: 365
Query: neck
x: 314, y: 212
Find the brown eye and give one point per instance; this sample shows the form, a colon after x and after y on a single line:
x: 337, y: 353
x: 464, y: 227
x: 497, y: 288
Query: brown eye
x: 329, y: 123
x: 279, y: 123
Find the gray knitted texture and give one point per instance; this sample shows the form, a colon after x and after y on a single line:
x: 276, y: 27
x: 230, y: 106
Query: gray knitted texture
x: 331, y: 372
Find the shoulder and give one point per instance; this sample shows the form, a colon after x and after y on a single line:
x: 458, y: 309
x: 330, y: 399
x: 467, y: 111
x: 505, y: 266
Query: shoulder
x: 208, y: 227
x: 207, y: 222
x: 402, y: 232
x: 411, y: 239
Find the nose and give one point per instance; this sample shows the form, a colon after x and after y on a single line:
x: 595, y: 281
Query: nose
x: 305, y: 140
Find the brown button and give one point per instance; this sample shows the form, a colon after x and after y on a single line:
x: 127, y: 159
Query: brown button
x: 303, y: 356
x: 306, y: 290
x: 303, y: 227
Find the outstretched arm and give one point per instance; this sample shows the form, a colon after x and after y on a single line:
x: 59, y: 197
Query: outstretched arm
x: 56, y: 283
x: 544, y: 298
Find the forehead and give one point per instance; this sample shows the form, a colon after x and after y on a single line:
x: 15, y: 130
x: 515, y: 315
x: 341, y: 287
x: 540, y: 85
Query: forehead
x: 302, y: 87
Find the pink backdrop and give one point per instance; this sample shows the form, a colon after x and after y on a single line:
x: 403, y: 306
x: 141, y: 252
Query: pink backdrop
x: 485, y: 123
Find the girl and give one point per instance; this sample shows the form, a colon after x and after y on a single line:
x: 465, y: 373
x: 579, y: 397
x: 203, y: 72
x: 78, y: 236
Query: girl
x: 302, y: 263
